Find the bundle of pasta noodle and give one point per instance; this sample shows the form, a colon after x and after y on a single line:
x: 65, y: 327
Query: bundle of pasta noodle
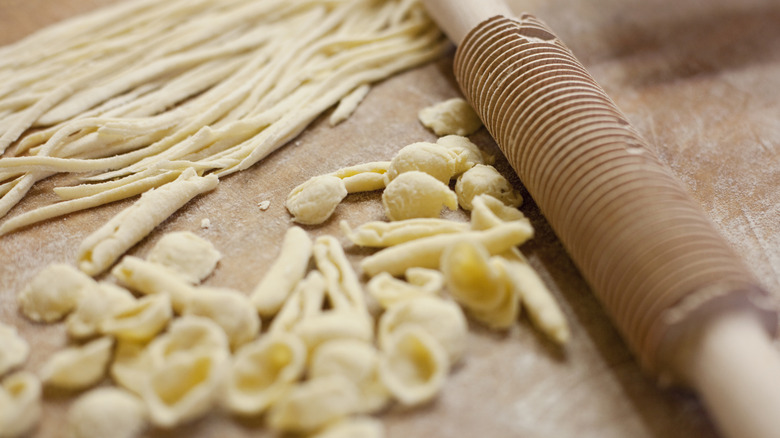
x: 131, y: 96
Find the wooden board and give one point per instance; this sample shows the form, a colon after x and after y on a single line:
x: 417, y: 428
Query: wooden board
x: 699, y: 79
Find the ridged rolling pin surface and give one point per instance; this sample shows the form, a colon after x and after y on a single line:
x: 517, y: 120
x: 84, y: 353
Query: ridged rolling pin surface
x: 686, y: 305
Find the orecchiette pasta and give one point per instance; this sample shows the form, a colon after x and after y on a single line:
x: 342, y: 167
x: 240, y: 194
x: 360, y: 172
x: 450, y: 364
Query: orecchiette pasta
x: 186, y: 336
x: 415, y: 194
x: 356, y: 360
x: 537, y: 299
x: 426, y: 252
x: 314, y: 201
x: 435, y: 160
x: 488, y: 212
x: 54, y: 292
x: 184, y: 387
x: 452, y: 116
x: 78, y: 367
x: 141, y: 321
x: 483, y: 179
x: 20, y: 404
x: 380, y: 234
x: 313, y: 404
x: 474, y: 282
x: 185, y: 253
x: 131, y: 366
x: 365, y: 177
x: 14, y: 349
x: 262, y: 371
x: 470, y: 153
x: 230, y: 309
x: 442, y: 319
x: 288, y: 269
x: 94, y: 307
x: 103, y: 247
x: 105, y: 412
x: 152, y: 278
x: 413, y: 365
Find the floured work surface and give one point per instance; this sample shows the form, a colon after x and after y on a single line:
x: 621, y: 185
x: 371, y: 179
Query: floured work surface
x: 700, y: 81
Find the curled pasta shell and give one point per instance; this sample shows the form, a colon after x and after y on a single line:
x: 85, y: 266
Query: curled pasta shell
x: 231, y: 310
x: 489, y: 212
x: 152, y: 279
x: 470, y: 154
x: 141, y: 321
x: 313, y: 404
x: 262, y: 371
x: 452, y: 116
x: 54, y: 292
x: 433, y: 159
x: 442, y: 319
x: 105, y: 412
x: 483, y: 179
x: 190, y: 256
x: 95, y: 307
x: 188, y: 335
x: 334, y: 324
x: 78, y: 367
x: 357, y: 361
x: 471, y: 278
x: 415, y: 194
x: 131, y: 366
x: 20, y: 404
x: 314, y: 201
x: 14, y: 348
x: 184, y: 388
x: 413, y: 365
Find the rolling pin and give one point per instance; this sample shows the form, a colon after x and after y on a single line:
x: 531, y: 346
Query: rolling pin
x: 688, y: 308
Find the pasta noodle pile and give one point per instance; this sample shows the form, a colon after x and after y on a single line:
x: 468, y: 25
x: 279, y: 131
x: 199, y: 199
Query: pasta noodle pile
x: 131, y: 96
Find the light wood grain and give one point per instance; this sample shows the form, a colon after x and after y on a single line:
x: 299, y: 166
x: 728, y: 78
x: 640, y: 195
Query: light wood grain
x: 701, y: 81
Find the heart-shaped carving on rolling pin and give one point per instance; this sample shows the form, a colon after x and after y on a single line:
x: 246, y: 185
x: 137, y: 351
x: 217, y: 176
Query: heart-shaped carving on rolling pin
x: 688, y: 308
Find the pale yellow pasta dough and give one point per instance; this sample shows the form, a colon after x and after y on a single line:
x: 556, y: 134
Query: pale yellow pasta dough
x: 334, y: 324
x: 14, y: 349
x: 78, y: 367
x: 388, y: 290
x: 471, y: 278
x: 105, y: 412
x: 488, y: 212
x: 141, y: 321
x: 435, y: 160
x: 96, y: 306
x: 20, y: 404
x: 416, y: 194
x: 380, y: 234
x: 185, y: 253
x: 484, y: 179
x: 314, y: 201
x: 442, y: 319
x: 343, y: 287
x: 348, y: 104
x: 230, y: 309
x: 131, y: 366
x: 470, y: 154
x: 262, y: 371
x: 151, y: 278
x: 357, y: 361
x: 452, y: 116
x: 355, y: 427
x: 54, y: 292
x: 314, y: 404
x: 413, y: 365
x: 188, y: 335
x: 306, y: 300
x: 288, y: 268
x: 426, y: 252
x: 104, y: 246
x: 364, y: 177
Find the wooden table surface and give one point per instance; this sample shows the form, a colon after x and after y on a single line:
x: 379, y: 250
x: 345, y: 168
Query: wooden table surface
x: 700, y: 79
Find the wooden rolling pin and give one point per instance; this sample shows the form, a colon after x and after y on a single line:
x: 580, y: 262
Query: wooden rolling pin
x: 688, y: 308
